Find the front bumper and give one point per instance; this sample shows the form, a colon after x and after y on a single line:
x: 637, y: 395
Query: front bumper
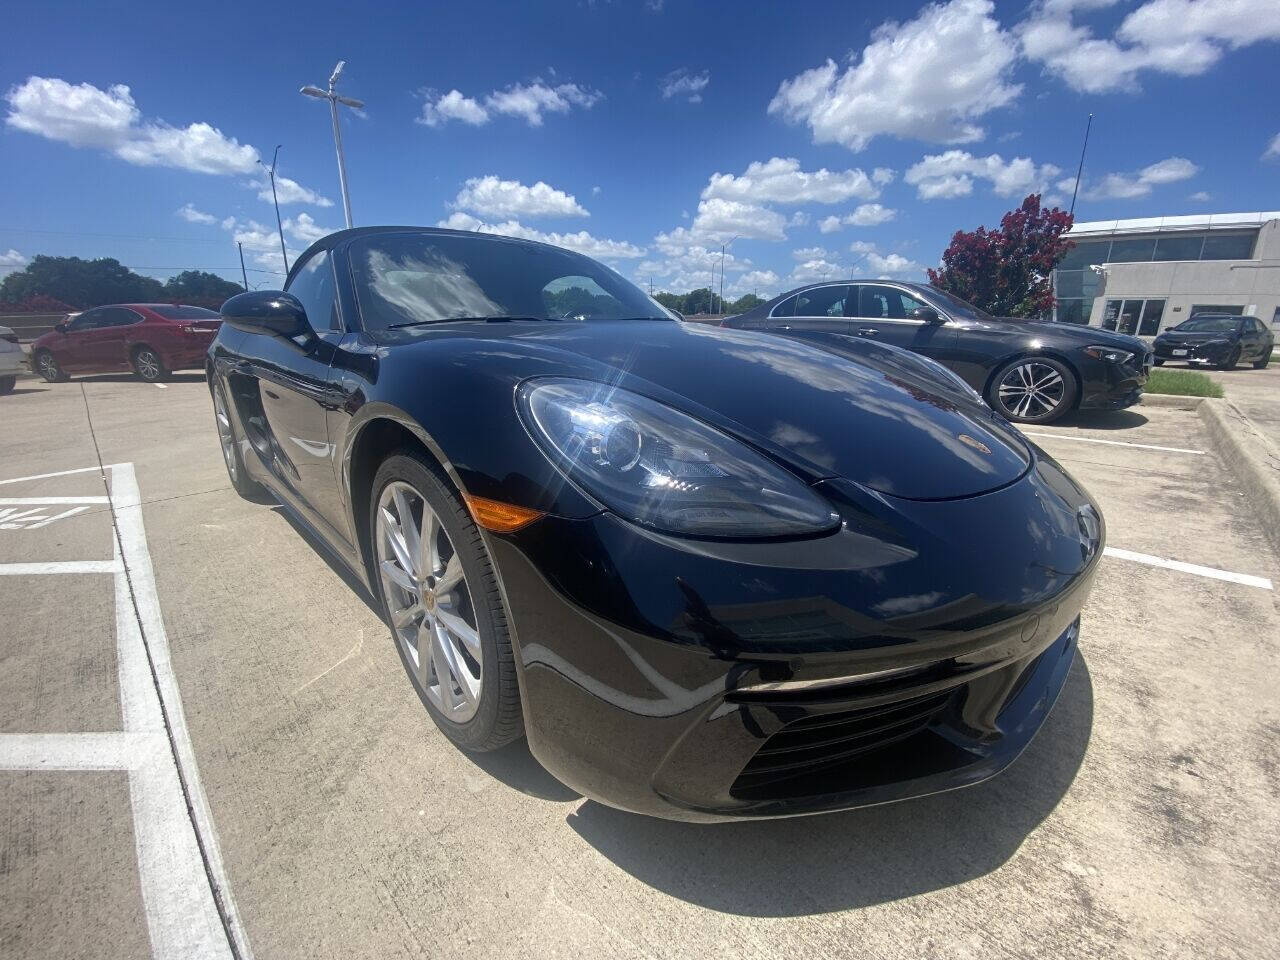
x: 710, y: 681
x: 1194, y: 352
x: 1114, y: 386
x: 13, y: 362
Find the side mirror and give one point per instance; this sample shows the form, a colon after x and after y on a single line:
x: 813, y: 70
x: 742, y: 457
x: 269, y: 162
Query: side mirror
x: 927, y: 314
x: 271, y: 312
x: 61, y: 327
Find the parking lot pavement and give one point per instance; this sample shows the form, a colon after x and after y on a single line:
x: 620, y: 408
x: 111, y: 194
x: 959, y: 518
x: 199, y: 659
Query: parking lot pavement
x: 1141, y: 822
x: 1256, y: 393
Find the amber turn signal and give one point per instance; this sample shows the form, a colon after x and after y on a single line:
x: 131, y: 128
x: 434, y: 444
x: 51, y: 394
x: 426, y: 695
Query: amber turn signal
x: 500, y: 517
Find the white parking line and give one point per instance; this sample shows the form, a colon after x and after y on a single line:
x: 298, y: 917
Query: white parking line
x: 58, y: 473
x: 1111, y: 443
x: 180, y: 867
x: 1212, y: 572
x: 40, y: 501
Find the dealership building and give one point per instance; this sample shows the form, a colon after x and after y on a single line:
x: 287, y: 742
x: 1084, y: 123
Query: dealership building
x: 1143, y: 276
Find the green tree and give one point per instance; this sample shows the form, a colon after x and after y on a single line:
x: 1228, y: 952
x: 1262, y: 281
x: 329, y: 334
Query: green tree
x: 200, y: 289
x: 79, y: 283
x: 745, y: 303
x: 1006, y: 271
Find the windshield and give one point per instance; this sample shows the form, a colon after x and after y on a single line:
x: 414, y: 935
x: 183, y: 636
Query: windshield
x: 408, y: 279
x: 1209, y: 325
x: 957, y: 307
x: 180, y: 312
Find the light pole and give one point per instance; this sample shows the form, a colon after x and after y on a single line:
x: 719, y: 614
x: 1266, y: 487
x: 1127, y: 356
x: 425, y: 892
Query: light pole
x: 723, y: 247
x: 271, y: 172
x: 334, y: 100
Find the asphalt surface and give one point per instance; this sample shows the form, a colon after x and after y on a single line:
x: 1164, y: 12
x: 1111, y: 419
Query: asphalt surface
x: 1142, y: 822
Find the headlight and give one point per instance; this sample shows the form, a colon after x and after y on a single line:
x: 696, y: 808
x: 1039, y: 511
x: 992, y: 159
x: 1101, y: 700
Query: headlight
x: 661, y: 468
x: 1110, y: 354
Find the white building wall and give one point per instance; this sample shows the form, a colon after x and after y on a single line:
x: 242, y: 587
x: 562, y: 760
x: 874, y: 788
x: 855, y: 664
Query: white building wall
x: 1251, y: 284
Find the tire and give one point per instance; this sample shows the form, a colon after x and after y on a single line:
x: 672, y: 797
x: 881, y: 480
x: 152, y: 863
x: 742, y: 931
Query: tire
x: 241, y: 482
x: 1033, y: 390
x: 1261, y: 363
x: 45, y: 364
x: 148, y: 365
x: 7, y: 384
x: 481, y: 710
x: 1231, y: 361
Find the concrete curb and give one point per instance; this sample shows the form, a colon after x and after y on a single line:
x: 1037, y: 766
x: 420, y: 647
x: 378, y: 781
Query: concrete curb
x: 1169, y: 400
x: 1250, y: 456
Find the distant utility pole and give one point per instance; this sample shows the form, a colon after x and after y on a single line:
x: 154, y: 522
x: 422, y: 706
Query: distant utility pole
x: 271, y: 172
x: 1080, y: 169
x: 333, y: 98
x: 723, y: 247
x: 243, y: 272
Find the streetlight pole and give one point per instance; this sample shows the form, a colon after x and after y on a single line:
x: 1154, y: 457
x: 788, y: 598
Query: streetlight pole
x: 243, y: 273
x: 271, y: 172
x: 1080, y: 169
x: 723, y: 247
x: 333, y: 98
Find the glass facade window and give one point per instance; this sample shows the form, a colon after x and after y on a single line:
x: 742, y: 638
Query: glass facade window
x: 1179, y: 247
x: 1072, y: 311
x: 1234, y: 310
x: 1152, y: 313
x: 1228, y: 246
x: 1135, y: 250
x: 1069, y: 283
x: 1084, y: 253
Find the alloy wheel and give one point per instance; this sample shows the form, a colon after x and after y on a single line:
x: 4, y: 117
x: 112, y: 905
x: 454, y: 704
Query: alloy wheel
x: 48, y: 366
x: 225, y: 437
x: 429, y: 602
x: 1031, y: 389
x: 148, y: 365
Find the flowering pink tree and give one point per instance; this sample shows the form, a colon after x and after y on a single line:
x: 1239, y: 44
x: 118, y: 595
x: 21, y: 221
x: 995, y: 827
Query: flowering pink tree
x: 1006, y: 271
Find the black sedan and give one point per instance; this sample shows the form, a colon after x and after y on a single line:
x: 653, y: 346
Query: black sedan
x: 1219, y: 339
x: 709, y: 573
x: 1030, y: 372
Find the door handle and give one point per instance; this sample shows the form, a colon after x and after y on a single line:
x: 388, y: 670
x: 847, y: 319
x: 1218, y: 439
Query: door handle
x: 868, y: 332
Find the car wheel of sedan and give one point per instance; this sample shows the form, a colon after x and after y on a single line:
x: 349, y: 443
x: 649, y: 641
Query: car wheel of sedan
x: 1033, y: 390
x: 1261, y: 362
x: 148, y: 365
x: 243, y: 484
x: 48, y: 367
x: 440, y: 597
x: 1231, y: 361
x: 7, y: 384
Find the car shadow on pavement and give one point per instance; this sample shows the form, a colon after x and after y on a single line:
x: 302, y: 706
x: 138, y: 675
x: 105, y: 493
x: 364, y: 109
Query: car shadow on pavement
x: 516, y: 767
x: 858, y: 858
x: 325, y: 553
x: 131, y: 378
x: 1102, y: 419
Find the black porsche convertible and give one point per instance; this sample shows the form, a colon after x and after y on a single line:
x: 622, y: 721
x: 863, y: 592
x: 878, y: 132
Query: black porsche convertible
x: 708, y: 573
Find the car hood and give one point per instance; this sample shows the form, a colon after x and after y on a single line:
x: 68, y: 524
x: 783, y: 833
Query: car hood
x: 1195, y: 336
x: 877, y: 416
x: 1072, y: 333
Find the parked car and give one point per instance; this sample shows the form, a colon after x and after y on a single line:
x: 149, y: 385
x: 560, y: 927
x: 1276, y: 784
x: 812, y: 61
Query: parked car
x: 151, y: 339
x: 11, y: 360
x: 709, y: 573
x: 1220, y: 339
x: 1028, y: 371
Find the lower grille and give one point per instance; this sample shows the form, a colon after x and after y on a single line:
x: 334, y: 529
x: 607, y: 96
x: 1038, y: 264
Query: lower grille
x: 811, y: 744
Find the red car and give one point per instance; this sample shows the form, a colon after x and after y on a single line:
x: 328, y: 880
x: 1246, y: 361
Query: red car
x: 151, y: 339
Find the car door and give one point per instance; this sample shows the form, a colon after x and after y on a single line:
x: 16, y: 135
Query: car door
x: 822, y: 309
x: 884, y: 314
x: 284, y: 394
x: 1253, y: 339
x: 71, y: 350
x: 103, y: 346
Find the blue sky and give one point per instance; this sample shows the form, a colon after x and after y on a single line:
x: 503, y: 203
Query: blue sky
x: 827, y: 136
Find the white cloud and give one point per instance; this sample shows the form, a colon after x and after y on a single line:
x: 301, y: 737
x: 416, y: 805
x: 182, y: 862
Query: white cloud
x: 1273, y: 148
x: 721, y: 220
x: 928, y: 79
x: 528, y: 100
x: 11, y: 261
x: 595, y: 191
x: 780, y: 180
x: 531, y: 100
x: 813, y: 270
x: 189, y: 213
x: 262, y: 243
x: 305, y: 230
x: 290, y: 191
x: 452, y: 106
x: 688, y: 262
x: 83, y: 115
x: 1123, y: 186
x: 683, y: 83
x: 1200, y: 196
x: 1180, y: 37
x: 951, y: 174
x: 883, y: 176
x: 580, y: 242
x: 861, y: 246
x: 490, y: 196
x: 763, y: 283
x: 868, y: 261
x: 810, y: 253
x: 864, y: 215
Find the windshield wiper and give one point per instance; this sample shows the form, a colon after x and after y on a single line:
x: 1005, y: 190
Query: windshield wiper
x: 493, y: 319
